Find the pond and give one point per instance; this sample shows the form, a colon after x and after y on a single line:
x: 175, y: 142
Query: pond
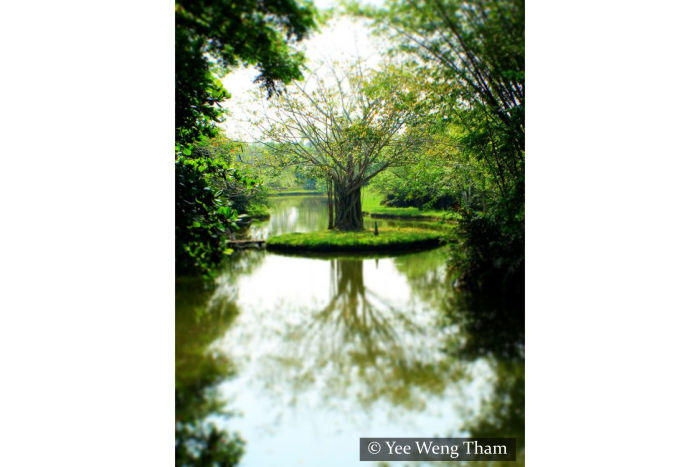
x: 307, y: 355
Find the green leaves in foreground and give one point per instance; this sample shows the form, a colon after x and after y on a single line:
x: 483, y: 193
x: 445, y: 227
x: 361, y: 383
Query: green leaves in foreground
x: 210, y: 191
x: 201, y: 217
x: 212, y: 36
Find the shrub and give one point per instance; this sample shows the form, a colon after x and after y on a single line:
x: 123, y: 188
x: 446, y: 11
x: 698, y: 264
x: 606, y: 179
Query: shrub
x: 202, y: 218
x: 490, y: 252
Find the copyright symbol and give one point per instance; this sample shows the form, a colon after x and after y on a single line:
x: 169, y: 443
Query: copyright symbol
x: 374, y: 447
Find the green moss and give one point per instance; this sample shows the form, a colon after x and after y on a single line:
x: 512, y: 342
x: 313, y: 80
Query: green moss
x: 371, y: 204
x: 391, y: 239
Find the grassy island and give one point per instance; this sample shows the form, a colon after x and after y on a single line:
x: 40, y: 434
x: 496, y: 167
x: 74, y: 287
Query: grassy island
x: 389, y: 239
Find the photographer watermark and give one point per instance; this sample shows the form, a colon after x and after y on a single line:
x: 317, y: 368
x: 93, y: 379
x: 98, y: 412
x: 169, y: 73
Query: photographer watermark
x: 437, y: 449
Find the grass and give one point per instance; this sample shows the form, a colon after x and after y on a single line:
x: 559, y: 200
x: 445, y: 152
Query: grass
x: 371, y: 204
x: 389, y: 239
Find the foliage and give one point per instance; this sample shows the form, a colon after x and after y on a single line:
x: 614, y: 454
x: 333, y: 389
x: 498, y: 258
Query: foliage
x: 258, y: 211
x: 374, y: 204
x: 478, y: 47
x: 475, y: 52
x: 212, y: 189
x: 428, y: 183
x: 434, y: 177
x: 211, y: 36
x: 292, y: 179
x: 239, y: 183
x: 330, y: 240
x: 214, y: 35
x: 409, y: 187
x: 201, y: 216
x: 490, y: 253
x: 346, y: 127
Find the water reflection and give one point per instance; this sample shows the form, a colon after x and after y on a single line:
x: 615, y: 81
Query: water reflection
x: 493, y: 329
x: 490, y: 326
x: 330, y: 349
x: 340, y: 348
x: 292, y: 214
x: 307, y: 214
x: 201, y: 318
x: 371, y: 341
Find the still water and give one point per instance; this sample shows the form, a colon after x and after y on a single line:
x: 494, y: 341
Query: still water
x: 307, y: 355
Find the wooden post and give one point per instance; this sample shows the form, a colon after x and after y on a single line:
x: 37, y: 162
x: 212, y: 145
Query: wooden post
x: 376, y: 229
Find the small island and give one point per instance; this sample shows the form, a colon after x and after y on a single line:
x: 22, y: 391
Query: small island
x: 387, y: 239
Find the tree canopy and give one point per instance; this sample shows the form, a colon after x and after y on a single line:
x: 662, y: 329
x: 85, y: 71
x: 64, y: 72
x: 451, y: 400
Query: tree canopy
x: 349, y: 125
x: 476, y: 51
x: 212, y: 36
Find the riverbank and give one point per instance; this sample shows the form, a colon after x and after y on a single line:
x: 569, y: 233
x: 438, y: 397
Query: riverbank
x: 371, y: 205
x: 258, y: 212
x: 388, y: 239
x: 297, y: 193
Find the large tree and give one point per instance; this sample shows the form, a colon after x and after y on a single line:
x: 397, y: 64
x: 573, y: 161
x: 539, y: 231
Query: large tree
x: 348, y: 126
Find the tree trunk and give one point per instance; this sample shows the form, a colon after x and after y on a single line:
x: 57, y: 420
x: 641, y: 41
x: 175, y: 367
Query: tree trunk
x: 348, y: 209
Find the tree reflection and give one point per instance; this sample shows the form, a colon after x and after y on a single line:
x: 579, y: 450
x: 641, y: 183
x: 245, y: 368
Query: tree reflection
x: 490, y: 326
x: 425, y: 272
x: 371, y: 349
x: 201, y: 317
x: 493, y: 329
x: 291, y: 214
x: 355, y: 309
x: 369, y: 344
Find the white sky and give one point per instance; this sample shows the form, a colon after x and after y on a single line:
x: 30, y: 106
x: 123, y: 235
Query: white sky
x: 342, y: 39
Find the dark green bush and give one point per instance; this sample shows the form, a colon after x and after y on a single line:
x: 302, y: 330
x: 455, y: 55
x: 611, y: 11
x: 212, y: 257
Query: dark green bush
x: 489, y: 255
x: 202, y: 217
x: 426, y: 186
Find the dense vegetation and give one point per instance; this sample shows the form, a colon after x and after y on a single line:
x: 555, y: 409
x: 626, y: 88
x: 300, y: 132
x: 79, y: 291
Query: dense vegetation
x: 473, y: 55
x: 379, y: 205
x: 437, y: 131
x: 211, y: 36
